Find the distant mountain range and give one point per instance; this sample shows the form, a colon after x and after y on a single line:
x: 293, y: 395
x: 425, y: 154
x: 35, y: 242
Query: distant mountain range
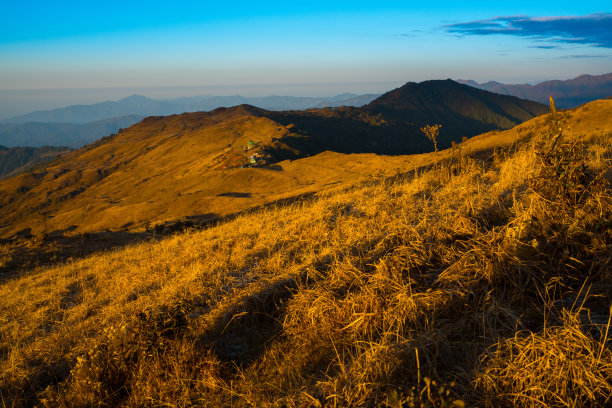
x: 461, y: 110
x: 567, y: 94
x: 202, y: 162
x: 16, y: 160
x: 78, y: 125
x: 358, y: 100
x: 143, y: 106
x: 36, y: 134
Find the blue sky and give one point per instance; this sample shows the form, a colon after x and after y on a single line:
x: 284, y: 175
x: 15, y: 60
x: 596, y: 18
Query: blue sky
x: 110, y: 44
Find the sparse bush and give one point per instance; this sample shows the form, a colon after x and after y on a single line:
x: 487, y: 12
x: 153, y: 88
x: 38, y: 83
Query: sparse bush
x: 432, y: 132
x: 563, y: 176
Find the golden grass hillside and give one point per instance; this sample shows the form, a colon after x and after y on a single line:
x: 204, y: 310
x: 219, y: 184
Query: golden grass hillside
x: 188, y: 167
x: 483, y: 279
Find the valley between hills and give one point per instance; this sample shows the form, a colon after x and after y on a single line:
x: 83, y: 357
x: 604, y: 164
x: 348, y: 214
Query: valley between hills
x: 318, y: 258
x: 201, y: 166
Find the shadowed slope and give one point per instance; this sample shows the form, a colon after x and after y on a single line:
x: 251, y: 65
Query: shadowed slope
x: 17, y: 160
x: 167, y: 168
x: 460, y: 109
x: 391, y: 123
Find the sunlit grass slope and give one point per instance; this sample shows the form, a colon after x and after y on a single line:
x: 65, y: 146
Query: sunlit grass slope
x: 175, y: 168
x: 177, y: 162
x: 191, y: 166
x: 482, y: 280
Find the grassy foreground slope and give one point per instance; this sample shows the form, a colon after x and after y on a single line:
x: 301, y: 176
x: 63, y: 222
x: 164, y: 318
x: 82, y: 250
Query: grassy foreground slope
x: 486, y: 273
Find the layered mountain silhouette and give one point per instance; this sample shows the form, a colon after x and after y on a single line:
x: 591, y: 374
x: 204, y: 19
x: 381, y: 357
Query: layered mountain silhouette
x: 36, y: 134
x: 143, y: 106
x: 211, y: 164
x: 567, y: 94
x: 18, y: 159
x: 351, y: 100
x: 78, y: 125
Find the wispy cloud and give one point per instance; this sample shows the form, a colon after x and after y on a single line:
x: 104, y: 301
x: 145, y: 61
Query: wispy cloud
x: 412, y: 33
x: 593, y: 29
x: 583, y: 56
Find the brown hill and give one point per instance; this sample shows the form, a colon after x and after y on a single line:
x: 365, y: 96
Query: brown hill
x: 391, y: 123
x: 460, y: 109
x: 199, y: 167
x: 164, y: 169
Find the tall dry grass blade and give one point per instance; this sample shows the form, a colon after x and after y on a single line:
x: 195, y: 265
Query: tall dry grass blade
x: 605, y: 339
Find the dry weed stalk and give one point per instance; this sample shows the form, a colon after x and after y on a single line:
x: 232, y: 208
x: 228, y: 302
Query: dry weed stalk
x: 432, y: 132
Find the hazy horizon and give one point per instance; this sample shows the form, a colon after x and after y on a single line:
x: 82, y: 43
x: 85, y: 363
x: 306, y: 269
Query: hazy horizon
x: 67, y: 52
x: 15, y: 102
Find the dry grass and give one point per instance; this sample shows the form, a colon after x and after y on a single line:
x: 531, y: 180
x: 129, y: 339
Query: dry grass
x: 564, y: 366
x: 458, y: 284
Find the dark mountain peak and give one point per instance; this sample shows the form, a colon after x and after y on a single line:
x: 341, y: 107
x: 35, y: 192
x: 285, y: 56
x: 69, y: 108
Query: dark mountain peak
x: 416, y: 95
x: 440, y: 95
x: 462, y: 110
